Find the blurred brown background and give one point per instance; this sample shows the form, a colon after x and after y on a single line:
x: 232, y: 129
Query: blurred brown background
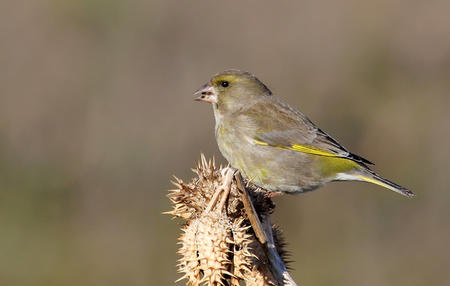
x: 96, y: 114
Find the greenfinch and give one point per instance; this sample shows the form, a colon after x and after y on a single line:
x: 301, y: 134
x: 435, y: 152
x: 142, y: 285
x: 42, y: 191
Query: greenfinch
x: 274, y: 145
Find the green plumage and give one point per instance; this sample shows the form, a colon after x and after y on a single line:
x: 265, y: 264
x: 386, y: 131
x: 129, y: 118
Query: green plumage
x: 274, y: 145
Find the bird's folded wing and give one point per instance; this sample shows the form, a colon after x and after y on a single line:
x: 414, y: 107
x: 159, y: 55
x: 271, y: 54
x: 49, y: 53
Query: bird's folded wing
x: 281, y: 126
x: 321, y: 144
x: 296, y: 142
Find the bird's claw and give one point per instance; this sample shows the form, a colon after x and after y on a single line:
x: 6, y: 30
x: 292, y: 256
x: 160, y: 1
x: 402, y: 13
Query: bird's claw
x: 225, y: 187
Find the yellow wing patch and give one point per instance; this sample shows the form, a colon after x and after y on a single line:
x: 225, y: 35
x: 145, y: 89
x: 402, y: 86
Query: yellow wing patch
x: 311, y: 150
x: 299, y: 148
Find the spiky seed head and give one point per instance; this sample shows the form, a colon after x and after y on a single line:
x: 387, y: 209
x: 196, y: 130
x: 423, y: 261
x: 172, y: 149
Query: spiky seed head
x: 218, y: 247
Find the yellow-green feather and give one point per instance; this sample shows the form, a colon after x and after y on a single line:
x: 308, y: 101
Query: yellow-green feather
x: 330, y: 166
x: 377, y: 182
x: 311, y: 150
x: 300, y: 148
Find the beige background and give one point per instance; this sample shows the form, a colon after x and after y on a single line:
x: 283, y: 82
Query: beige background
x: 96, y: 114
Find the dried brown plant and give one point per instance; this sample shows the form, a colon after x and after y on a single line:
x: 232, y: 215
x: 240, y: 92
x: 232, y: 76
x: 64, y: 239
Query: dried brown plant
x: 218, y: 242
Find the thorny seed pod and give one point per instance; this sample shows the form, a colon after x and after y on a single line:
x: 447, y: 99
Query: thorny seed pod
x: 218, y: 247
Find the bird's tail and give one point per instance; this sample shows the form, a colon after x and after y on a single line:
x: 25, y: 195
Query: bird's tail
x: 373, y: 178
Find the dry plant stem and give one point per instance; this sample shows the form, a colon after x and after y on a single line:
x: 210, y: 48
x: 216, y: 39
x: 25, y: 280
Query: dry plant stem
x: 263, y: 232
x: 277, y: 267
x: 250, y: 210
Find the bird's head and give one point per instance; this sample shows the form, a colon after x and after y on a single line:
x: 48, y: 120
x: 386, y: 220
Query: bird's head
x: 232, y: 89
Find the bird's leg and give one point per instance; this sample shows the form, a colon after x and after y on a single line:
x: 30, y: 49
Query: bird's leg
x: 273, y: 194
x: 224, y: 187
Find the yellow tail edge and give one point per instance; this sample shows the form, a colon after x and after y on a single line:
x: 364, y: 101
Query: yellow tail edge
x: 377, y: 180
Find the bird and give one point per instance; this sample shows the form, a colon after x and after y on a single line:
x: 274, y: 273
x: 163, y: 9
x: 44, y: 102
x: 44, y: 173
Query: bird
x: 275, y: 146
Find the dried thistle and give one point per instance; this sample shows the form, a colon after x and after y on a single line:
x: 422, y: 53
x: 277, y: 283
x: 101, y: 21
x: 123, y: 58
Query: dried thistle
x: 218, y: 245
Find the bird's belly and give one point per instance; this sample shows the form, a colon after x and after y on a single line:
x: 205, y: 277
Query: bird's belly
x: 271, y: 168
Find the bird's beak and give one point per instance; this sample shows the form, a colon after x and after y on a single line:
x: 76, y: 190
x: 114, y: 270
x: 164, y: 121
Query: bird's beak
x: 206, y: 93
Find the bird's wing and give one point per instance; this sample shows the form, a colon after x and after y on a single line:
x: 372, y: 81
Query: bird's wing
x: 281, y: 126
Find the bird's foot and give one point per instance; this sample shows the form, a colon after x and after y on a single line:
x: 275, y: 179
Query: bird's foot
x: 271, y: 195
x: 222, y: 191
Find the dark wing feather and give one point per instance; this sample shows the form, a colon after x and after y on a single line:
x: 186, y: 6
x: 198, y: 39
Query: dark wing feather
x: 327, y: 140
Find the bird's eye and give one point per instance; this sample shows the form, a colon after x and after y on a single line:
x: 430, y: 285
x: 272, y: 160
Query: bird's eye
x: 224, y: 83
